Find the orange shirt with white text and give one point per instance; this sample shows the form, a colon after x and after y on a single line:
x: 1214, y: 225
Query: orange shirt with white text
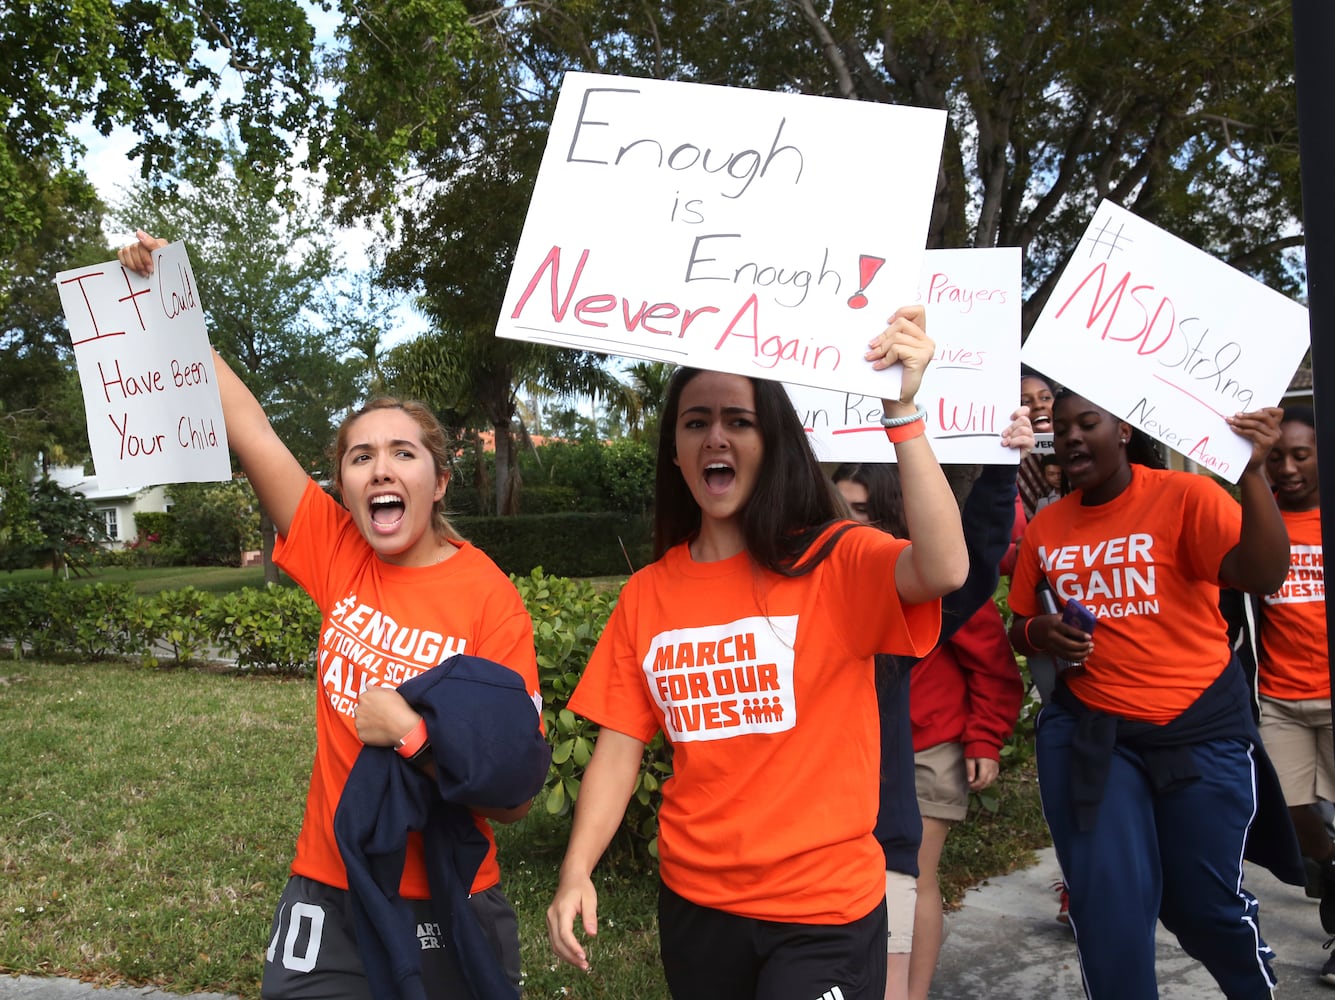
x: 764, y: 685
x: 384, y: 624
x: 1147, y: 565
x: 1294, y: 662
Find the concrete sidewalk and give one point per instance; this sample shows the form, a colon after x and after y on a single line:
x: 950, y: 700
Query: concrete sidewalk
x: 50, y: 988
x: 1005, y: 944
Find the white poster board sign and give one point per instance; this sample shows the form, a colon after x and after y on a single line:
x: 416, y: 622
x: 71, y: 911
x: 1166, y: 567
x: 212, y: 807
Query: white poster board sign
x: 1167, y: 337
x: 144, y: 360
x: 973, y: 384
x: 764, y: 234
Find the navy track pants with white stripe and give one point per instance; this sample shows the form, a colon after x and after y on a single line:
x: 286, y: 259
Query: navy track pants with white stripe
x: 1176, y: 857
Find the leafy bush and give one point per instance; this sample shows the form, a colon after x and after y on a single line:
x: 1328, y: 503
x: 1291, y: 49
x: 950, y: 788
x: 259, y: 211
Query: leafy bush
x: 628, y: 475
x: 276, y: 628
x: 568, y: 616
x: 142, y: 554
x: 574, y: 465
x: 214, y: 522
x: 90, y: 620
x: 173, y: 621
x: 25, y: 617
x: 548, y: 499
x: 576, y: 545
x: 155, y: 527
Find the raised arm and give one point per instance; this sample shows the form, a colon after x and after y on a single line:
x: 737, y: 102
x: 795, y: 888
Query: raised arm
x: 936, y: 561
x: 1259, y: 563
x: 274, y: 472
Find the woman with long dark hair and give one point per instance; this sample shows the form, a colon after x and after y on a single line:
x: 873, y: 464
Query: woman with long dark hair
x: 750, y: 643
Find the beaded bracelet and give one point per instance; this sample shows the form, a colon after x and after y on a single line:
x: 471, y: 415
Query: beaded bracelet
x: 919, y: 414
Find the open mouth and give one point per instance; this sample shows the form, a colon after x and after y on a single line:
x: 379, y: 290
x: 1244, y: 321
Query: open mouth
x: 386, y: 511
x: 718, y: 477
x: 1042, y: 423
x: 1075, y: 463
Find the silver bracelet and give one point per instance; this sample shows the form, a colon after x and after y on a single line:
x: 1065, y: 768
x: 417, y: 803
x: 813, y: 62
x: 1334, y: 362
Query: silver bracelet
x: 919, y: 414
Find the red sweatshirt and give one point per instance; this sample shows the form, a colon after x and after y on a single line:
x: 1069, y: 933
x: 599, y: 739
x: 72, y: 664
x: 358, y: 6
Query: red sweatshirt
x: 969, y: 689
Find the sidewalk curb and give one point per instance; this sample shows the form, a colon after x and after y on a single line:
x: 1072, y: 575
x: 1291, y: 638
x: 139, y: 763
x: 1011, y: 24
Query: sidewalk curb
x: 1005, y: 943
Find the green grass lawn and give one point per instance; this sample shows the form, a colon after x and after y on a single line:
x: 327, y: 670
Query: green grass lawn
x: 147, y: 819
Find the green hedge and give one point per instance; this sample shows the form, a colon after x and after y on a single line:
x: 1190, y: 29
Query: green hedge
x: 571, y: 545
x: 277, y: 629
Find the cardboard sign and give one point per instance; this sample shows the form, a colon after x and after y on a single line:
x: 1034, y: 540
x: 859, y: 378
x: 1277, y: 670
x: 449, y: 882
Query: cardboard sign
x: 144, y: 360
x: 971, y: 387
x: 764, y: 234
x: 1168, y: 338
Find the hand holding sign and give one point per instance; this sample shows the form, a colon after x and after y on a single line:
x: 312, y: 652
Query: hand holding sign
x: 144, y: 360
x: 1261, y: 428
x: 904, y: 342
x: 1167, y: 338
x: 726, y: 229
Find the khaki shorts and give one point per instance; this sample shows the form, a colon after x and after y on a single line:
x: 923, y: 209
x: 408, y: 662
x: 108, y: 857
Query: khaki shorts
x: 942, y: 785
x: 901, y: 898
x: 1297, y: 738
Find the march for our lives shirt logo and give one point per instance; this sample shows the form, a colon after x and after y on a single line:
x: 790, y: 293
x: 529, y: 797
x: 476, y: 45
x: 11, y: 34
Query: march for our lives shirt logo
x: 1306, y: 582
x: 721, y: 681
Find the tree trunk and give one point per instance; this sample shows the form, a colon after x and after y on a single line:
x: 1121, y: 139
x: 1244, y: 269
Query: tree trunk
x: 267, y: 537
x: 503, y: 457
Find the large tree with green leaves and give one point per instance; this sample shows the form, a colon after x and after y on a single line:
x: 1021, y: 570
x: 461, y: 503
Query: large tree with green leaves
x: 264, y: 270
x: 1182, y: 112
x: 169, y: 70
x: 41, y: 406
x: 62, y: 529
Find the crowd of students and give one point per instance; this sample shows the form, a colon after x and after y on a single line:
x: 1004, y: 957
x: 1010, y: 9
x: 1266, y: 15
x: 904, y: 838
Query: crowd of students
x: 797, y: 842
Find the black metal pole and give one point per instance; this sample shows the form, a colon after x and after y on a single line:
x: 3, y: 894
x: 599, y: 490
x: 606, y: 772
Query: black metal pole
x: 1313, y: 43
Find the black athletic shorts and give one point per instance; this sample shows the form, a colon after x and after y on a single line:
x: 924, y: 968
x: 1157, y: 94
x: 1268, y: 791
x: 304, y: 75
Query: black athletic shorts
x: 712, y: 955
x: 312, y: 953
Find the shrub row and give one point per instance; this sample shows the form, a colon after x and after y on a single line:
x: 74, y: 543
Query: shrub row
x: 274, y: 629
x: 568, y: 616
x: 277, y: 629
x: 568, y: 545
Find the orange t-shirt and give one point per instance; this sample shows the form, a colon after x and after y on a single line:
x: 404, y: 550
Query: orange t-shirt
x: 1294, y: 664
x: 764, y: 685
x: 1147, y: 565
x: 386, y: 624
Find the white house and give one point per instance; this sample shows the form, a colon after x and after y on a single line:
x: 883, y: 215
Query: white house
x: 117, y: 507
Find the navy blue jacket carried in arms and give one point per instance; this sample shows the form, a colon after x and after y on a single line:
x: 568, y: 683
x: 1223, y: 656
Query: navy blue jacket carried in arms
x: 489, y: 752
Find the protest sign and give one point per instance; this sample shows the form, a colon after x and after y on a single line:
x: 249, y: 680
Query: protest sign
x: 765, y: 234
x: 144, y: 360
x: 1167, y: 338
x: 972, y: 385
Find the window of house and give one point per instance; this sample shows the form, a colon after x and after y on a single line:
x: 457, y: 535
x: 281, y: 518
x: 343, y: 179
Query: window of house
x: 109, y: 520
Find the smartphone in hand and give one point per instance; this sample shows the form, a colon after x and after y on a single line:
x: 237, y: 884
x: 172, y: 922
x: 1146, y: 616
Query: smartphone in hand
x: 1078, y: 616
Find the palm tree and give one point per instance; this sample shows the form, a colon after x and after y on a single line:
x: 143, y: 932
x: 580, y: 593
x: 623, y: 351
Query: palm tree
x: 476, y: 379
